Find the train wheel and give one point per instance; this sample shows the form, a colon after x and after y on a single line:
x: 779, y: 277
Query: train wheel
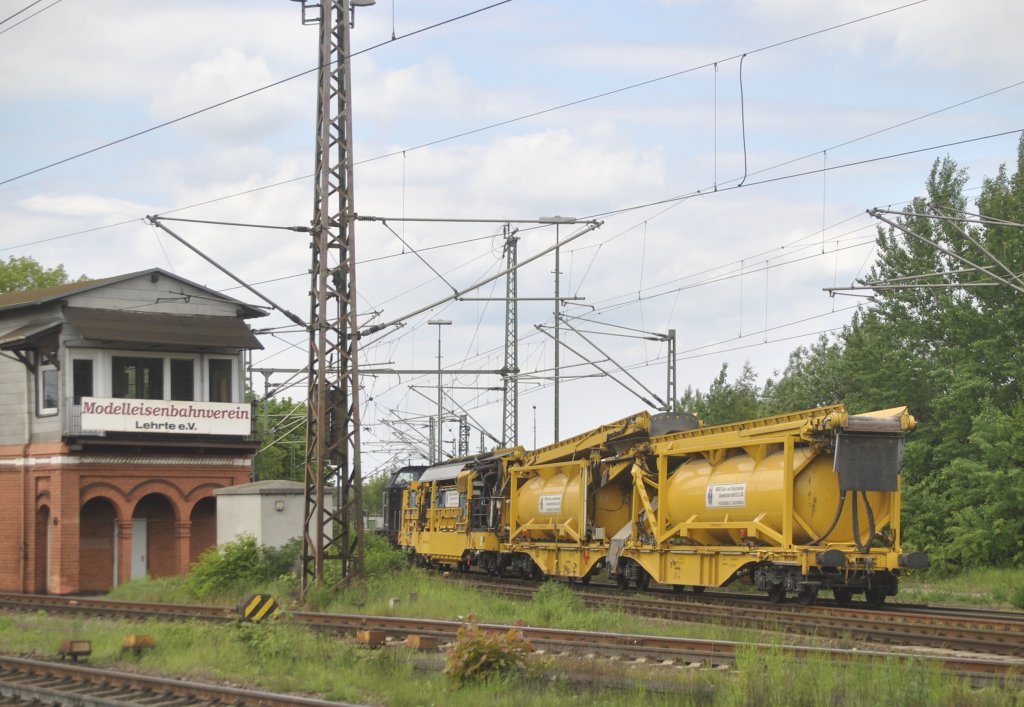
x: 698, y: 589
x: 807, y: 595
x: 776, y: 593
x: 678, y: 588
x: 536, y: 573
x: 874, y: 597
x: 622, y: 581
x: 643, y: 581
x: 842, y: 595
x: 585, y: 579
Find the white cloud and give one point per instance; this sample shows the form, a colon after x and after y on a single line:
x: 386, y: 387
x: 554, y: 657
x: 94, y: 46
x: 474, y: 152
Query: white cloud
x: 81, y: 205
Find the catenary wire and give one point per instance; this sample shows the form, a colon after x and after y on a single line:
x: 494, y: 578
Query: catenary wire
x: 246, y: 95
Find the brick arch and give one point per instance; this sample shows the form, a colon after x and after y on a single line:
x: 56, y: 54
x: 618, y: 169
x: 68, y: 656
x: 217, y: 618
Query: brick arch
x: 171, y: 491
x: 110, y: 492
x: 200, y: 492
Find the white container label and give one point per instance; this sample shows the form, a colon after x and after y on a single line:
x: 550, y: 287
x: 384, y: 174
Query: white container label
x: 726, y: 495
x: 550, y: 504
x: 451, y: 499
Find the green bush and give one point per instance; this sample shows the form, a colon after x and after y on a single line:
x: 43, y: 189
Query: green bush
x: 479, y: 654
x: 382, y: 559
x: 237, y: 565
x: 555, y: 601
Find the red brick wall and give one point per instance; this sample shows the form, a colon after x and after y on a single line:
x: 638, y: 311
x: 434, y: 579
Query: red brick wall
x: 84, y: 499
x: 96, y: 546
x: 204, y: 528
x: 12, y: 496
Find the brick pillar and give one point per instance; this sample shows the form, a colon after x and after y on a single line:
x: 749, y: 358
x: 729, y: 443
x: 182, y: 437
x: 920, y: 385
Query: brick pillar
x: 64, y: 531
x: 124, y: 550
x: 183, y: 537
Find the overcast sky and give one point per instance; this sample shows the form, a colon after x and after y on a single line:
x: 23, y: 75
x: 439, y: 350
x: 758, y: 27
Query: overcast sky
x: 704, y: 165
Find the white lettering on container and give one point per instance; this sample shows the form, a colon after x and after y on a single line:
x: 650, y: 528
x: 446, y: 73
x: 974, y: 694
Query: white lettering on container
x: 726, y: 495
x: 550, y: 504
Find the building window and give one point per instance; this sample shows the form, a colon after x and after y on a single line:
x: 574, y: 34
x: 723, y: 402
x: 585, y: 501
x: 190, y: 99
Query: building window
x: 183, y: 375
x: 47, y: 394
x: 219, y: 376
x: 137, y: 377
x: 81, y: 379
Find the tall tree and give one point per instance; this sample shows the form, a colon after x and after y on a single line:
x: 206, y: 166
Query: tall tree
x: 25, y: 273
x: 725, y: 402
x: 281, y: 425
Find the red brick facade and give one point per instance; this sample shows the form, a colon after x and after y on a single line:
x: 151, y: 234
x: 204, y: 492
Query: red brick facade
x: 67, y: 518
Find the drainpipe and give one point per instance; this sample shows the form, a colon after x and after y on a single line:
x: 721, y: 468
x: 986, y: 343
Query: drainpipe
x: 24, y: 485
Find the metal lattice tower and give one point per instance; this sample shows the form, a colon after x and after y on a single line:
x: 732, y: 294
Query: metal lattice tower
x: 463, y: 436
x: 510, y: 372
x: 670, y: 392
x: 333, y: 527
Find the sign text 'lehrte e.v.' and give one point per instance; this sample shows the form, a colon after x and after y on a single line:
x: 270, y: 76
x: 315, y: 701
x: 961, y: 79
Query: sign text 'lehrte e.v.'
x: 169, y: 416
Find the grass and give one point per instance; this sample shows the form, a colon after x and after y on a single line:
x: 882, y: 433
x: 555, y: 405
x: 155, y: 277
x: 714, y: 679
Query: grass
x: 999, y: 588
x: 285, y: 658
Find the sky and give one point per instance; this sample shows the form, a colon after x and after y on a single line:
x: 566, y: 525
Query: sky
x: 729, y: 150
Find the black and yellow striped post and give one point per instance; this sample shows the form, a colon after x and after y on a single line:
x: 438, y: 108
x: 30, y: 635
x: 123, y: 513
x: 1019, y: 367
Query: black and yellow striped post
x: 259, y: 607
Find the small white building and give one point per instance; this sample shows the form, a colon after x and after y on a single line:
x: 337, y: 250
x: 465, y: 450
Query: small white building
x: 270, y: 511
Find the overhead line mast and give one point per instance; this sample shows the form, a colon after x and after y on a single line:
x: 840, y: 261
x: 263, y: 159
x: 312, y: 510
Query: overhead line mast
x: 333, y: 526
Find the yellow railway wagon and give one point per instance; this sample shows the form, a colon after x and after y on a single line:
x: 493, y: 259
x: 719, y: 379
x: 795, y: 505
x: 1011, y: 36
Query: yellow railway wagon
x: 792, y: 504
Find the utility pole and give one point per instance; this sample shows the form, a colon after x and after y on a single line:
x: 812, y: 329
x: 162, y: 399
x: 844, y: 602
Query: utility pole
x: 557, y: 220
x: 670, y: 388
x: 440, y: 399
x: 332, y: 421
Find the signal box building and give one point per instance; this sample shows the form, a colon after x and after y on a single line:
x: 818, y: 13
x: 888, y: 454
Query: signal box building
x: 123, y: 411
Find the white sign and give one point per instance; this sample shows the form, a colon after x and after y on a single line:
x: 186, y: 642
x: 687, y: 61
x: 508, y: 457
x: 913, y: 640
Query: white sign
x: 550, y: 504
x: 726, y: 495
x: 451, y: 499
x: 171, y: 416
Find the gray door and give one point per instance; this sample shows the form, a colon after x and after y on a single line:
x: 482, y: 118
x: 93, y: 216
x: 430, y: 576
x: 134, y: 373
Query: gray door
x: 139, y: 542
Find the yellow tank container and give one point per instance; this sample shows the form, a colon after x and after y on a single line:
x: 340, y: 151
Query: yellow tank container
x: 552, y: 498
x: 739, y: 489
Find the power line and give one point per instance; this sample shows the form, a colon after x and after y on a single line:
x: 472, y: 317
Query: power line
x: 27, y: 7
x: 26, y: 19
x: 671, y: 202
x: 245, y: 95
x: 795, y: 175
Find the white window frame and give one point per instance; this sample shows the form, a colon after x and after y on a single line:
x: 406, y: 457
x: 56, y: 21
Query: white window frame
x: 233, y: 393
x: 42, y: 369
x: 103, y: 361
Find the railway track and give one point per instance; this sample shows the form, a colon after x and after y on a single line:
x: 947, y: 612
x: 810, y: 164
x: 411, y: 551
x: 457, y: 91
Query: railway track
x: 696, y: 653
x: 980, y: 632
x: 40, y: 682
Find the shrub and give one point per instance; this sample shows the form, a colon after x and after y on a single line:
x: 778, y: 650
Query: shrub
x: 555, y: 601
x: 237, y: 564
x: 381, y: 558
x: 479, y: 654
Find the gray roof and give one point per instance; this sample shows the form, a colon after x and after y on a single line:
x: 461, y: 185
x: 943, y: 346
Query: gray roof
x: 272, y: 487
x: 188, y: 331
x: 44, y: 295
